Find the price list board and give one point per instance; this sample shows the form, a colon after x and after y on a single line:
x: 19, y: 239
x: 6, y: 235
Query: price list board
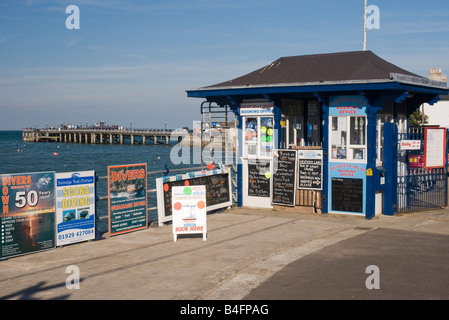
x: 27, y: 216
x: 284, y: 177
x: 347, y: 195
x: 310, y: 169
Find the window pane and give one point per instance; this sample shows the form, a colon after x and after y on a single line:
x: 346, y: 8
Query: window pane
x: 338, y: 137
x: 266, y: 136
x: 313, y: 124
x: 251, y: 129
x: 357, y: 129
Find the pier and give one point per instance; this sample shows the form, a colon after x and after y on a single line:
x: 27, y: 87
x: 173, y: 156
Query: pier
x: 103, y: 135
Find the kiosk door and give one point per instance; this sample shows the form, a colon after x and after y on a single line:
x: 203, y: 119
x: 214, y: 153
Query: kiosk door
x: 258, y: 142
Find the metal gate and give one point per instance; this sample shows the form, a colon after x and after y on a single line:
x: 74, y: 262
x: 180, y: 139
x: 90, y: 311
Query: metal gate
x: 418, y: 188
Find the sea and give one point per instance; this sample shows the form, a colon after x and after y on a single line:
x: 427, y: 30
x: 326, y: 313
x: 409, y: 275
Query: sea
x: 18, y: 156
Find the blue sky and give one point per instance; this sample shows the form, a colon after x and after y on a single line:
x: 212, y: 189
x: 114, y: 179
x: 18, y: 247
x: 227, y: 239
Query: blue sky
x: 132, y: 60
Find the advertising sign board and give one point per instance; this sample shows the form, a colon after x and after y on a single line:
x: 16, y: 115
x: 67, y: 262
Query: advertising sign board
x: 75, y: 207
x: 189, y: 210
x: 127, y: 186
x: 27, y: 216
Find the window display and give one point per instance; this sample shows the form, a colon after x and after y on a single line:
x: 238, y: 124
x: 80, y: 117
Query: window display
x: 348, y: 138
x: 259, y: 137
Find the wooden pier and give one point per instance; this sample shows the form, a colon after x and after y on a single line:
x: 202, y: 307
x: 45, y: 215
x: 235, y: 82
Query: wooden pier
x: 102, y: 136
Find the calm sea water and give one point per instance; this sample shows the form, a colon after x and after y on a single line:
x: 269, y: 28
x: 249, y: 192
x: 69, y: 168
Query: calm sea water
x: 22, y: 157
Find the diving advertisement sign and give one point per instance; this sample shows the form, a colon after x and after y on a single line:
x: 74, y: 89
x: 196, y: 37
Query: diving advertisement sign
x: 75, y: 207
x: 27, y: 216
x: 127, y: 186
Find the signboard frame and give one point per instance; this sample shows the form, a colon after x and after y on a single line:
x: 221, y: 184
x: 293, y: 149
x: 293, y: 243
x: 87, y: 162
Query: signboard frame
x: 131, y: 207
x: 27, y: 215
x: 278, y: 153
x: 160, y: 182
x: 434, y: 149
x: 75, y: 207
x: 189, y: 207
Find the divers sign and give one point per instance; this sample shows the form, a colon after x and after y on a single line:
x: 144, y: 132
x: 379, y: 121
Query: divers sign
x: 27, y: 216
x: 127, y: 198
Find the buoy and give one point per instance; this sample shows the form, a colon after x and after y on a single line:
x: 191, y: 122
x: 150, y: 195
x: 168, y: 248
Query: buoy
x: 55, y: 154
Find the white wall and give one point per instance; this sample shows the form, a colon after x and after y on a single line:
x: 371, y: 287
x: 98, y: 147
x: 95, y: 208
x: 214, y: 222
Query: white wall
x: 438, y: 113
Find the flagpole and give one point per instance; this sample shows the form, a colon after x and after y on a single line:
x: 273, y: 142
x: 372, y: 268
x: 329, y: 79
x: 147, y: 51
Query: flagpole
x: 364, y: 27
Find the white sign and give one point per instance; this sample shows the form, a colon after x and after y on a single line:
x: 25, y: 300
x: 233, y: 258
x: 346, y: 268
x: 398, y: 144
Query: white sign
x: 435, y: 147
x: 75, y: 207
x: 410, y: 145
x: 257, y: 109
x: 189, y: 210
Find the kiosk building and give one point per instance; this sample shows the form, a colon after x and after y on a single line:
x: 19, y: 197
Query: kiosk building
x: 346, y: 116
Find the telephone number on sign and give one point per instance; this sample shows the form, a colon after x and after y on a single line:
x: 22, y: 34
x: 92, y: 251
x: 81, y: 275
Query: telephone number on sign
x: 75, y: 234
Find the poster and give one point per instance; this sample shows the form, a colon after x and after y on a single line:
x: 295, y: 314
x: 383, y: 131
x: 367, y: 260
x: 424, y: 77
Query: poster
x: 189, y: 210
x: 75, y: 207
x: 435, y: 147
x: 127, y: 186
x: 27, y: 216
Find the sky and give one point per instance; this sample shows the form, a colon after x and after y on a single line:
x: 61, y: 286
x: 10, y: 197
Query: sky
x: 131, y: 61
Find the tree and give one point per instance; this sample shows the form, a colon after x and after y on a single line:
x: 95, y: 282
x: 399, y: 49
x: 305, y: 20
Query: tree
x: 416, y: 118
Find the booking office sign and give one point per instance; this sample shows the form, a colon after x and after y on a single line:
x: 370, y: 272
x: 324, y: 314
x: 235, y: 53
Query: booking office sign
x: 27, y: 216
x: 75, y: 207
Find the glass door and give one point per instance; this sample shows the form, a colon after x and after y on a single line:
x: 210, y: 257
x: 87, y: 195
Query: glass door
x: 258, y: 143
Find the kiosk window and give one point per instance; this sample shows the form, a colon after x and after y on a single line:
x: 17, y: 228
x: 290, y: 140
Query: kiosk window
x: 259, y: 137
x: 348, y: 138
x: 303, y: 122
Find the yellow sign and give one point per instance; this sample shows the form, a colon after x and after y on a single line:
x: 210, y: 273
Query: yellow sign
x: 369, y: 172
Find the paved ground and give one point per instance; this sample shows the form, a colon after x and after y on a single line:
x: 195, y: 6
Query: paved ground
x: 249, y: 254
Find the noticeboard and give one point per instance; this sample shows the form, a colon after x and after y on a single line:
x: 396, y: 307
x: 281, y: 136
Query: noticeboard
x: 75, y: 207
x: 27, y: 216
x: 310, y: 169
x: 259, y: 176
x: 284, y: 177
x: 189, y: 210
x: 434, y: 147
x: 127, y: 186
x: 218, y: 190
x: 347, y: 194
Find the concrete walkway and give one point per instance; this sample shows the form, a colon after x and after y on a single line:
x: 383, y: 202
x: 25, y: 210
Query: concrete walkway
x: 244, y: 248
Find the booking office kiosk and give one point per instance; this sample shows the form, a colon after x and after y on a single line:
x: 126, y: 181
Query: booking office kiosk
x: 258, y: 141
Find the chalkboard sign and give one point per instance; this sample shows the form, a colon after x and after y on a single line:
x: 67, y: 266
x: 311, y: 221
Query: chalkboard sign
x: 347, y: 195
x: 310, y: 169
x: 284, y: 177
x: 259, y: 175
x: 218, y: 190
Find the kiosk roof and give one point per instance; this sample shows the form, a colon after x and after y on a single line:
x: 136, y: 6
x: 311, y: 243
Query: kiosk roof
x: 343, y: 66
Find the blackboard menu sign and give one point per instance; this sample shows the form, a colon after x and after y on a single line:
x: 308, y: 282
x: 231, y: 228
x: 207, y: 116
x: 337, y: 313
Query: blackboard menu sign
x: 284, y: 177
x: 310, y: 169
x: 259, y: 175
x: 218, y: 190
x: 347, y: 195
